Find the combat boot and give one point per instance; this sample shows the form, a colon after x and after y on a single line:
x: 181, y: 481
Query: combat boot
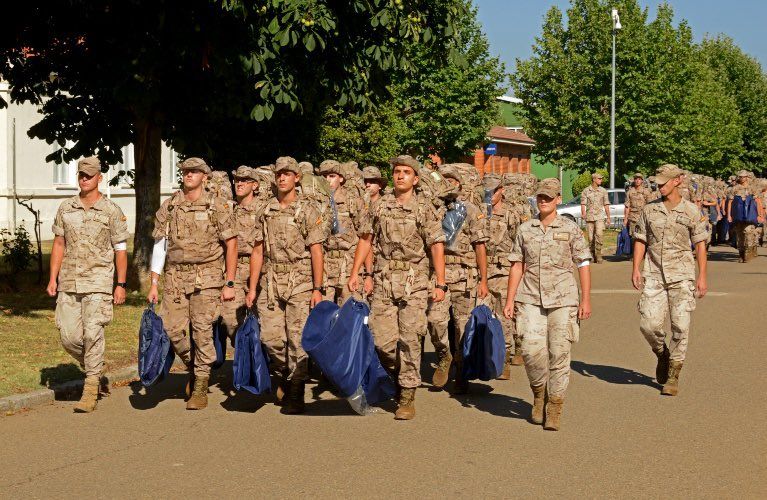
x: 671, y: 387
x: 280, y: 391
x: 442, y: 372
x: 189, y: 381
x: 90, y: 396
x: 553, y: 412
x: 406, y: 405
x: 539, y: 402
x: 295, y: 403
x: 661, y: 369
x: 199, y: 398
x: 506, y: 375
x: 518, y: 360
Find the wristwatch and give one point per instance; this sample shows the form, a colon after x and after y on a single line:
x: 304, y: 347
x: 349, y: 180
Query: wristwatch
x: 123, y: 284
x: 320, y: 289
x: 230, y: 284
x: 441, y: 287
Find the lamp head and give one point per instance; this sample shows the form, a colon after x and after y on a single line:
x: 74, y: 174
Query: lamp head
x: 616, y: 20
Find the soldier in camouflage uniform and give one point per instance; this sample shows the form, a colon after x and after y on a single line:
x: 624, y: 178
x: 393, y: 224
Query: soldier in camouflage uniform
x: 502, y: 230
x: 189, y: 230
x: 406, y: 231
x: 342, y: 242
x: 664, y: 233
x: 247, y: 211
x: 543, y: 295
x: 637, y: 197
x: 746, y: 232
x: 595, y: 210
x: 90, y: 236
x: 374, y: 183
x: 287, y: 256
x: 466, y: 278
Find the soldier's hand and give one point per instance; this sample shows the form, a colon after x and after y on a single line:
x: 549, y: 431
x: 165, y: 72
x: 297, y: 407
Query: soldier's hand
x: 250, y: 298
x: 152, y: 295
x: 227, y: 294
x: 119, y: 295
x: 354, y: 283
x: 508, y: 311
x: 316, y: 299
x: 701, y: 287
x: 51, y: 289
x: 729, y: 219
x: 438, y: 295
x: 368, y: 286
x: 482, y: 290
x: 584, y: 310
x: 636, y: 279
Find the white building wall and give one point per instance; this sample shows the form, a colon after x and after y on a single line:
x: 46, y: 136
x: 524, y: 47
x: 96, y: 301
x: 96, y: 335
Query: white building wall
x: 48, y: 184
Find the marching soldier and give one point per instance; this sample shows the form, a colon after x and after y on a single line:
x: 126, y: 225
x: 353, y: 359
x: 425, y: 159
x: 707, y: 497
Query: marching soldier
x: 664, y: 234
x: 374, y: 183
x: 90, y: 236
x: 405, y: 230
x: 746, y: 231
x: 189, y: 230
x: 637, y: 197
x: 287, y: 265
x: 595, y: 209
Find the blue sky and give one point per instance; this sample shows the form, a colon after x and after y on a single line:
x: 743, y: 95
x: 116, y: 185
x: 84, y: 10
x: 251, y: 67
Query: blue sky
x: 512, y: 25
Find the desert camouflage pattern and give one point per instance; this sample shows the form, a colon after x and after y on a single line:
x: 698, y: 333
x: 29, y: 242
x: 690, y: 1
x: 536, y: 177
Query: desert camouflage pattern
x: 660, y: 299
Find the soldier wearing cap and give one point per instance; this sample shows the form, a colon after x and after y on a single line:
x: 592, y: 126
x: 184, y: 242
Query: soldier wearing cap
x: 342, y: 242
x: 286, y: 268
x: 746, y: 231
x: 502, y: 230
x: 664, y: 234
x: 196, y: 249
x: 247, y: 211
x: 90, y: 234
x: 406, y: 231
x: 543, y: 296
x: 374, y: 183
x: 637, y: 197
x: 595, y: 210
x: 466, y: 278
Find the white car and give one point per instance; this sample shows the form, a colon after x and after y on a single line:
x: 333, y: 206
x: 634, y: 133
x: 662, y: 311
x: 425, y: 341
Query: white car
x: 617, y: 197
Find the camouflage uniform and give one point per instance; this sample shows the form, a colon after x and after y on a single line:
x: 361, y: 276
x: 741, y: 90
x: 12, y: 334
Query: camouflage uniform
x: 194, y: 272
x: 547, y: 299
x: 746, y: 233
x: 669, y: 272
x: 636, y: 199
x: 594, y: 201
x: 84, y: 302
x: 402, y: 235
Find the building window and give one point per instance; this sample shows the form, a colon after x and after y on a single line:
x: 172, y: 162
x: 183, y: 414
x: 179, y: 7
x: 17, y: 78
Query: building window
x: 128, y: 166
x: 173, y: 178
x: 64, y: 172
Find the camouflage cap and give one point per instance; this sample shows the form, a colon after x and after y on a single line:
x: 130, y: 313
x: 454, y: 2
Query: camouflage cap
x: 745, y: 173
x: 330, y: 167
x: 371, y: 173
x: 666, y: 172
x: 90, y: 166
x: 194, y: 163
x: 245, y: 172
x: 287, y: 163
x: 449, y: 171
x: 549, y: 187
x: 491, y: 181
x: 596, y: 175
x: 638, y: 175
x: 407, y: 161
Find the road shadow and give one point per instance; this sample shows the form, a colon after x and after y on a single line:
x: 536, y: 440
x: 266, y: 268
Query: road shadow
x: 482, y: 398
x: 720, y: 256
x: 172, y: 387
x: 613, y: 374
x: 62, y: 380
x: 246, y: 402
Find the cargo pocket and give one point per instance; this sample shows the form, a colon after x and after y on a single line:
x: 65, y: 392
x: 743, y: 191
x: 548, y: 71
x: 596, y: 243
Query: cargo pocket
x: 691, y: 303
x: 573, y: 326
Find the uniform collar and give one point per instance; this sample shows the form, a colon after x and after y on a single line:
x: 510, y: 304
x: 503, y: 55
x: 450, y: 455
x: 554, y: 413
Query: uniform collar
x: 557, y: 222
x: 99, y: 205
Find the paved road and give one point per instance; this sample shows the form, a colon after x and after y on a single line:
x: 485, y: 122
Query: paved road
x: 619, y: 436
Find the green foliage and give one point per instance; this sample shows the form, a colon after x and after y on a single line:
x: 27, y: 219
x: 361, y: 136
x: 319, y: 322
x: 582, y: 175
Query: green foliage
x: 17, y: 251
x: 584, y: 180
x: 670, y: 107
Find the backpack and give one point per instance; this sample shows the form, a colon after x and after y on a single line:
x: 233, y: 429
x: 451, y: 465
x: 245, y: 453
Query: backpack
x: 434, y: 186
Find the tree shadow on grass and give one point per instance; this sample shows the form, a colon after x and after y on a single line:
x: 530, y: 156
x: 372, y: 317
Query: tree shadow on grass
x: 614, y: 374
x: 56, y: 378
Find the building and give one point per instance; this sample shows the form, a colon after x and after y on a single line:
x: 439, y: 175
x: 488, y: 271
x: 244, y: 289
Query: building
x: 25, y: 174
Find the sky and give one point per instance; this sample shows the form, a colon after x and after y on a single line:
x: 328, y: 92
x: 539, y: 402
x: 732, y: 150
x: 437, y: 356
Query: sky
x: 512, y: 25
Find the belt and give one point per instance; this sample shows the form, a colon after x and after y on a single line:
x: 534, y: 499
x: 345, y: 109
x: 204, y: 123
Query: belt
x: 201, y: 265
x: 392, y: 265
x: 287, y: 267
x: 456, y: 259
x: 336, y: 254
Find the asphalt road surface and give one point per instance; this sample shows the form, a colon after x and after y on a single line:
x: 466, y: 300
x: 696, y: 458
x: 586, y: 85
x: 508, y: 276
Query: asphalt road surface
x: 619, y: 437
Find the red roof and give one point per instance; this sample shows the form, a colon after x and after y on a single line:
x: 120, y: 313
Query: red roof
x: 502, y: 133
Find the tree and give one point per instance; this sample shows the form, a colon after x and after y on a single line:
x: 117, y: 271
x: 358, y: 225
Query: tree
x: 198, y: 73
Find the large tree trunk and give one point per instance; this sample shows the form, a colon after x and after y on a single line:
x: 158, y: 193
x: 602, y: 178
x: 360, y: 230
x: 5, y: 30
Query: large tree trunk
x: 148, y: 166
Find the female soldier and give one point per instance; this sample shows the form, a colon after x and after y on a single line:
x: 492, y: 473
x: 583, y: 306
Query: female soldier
x: 547, y: 309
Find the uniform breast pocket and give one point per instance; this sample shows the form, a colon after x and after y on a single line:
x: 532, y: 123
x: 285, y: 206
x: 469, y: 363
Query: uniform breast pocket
x: 72, y: 222
x: 98, y: 230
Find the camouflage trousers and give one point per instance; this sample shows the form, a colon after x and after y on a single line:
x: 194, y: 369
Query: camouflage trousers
x: 594, y: 230
x: 461, y: 302
x: 81, y: 318
x: 547, y: 337
x: 337, y: 271
x: 397, y: 327
x: 282, y: 321
x: 656, y: 301
x: 747, y: 236
x: 200, y: 309
x: 632, y: 227
x: 498, y: 285
x: 233, y: 312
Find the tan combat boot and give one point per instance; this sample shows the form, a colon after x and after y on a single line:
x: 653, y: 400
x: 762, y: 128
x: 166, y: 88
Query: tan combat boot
x: 295, y: 403
x: 442, y: 372
x: 661, y: 369
x: 553, y: 412
x: 90, y: 396
x: 406, y: 405
x: 539, y: 401
x: 671, y: 387
x: 518, y: 360
x: 199, y: 398
x: 506, y: 375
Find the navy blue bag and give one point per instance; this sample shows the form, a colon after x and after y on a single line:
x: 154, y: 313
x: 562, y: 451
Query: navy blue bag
x: 453, y: 221
x: 219, y: 341
x: 624, y: 242
x: 251, y: 363
x: 484, y: 347
x: 744, y: 210
x: 155, y: 352
x: 340, y: 342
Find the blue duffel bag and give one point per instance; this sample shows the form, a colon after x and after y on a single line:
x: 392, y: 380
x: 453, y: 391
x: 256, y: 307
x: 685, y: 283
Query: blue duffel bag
x: 219, y: 342
x: 155, y: 352
x: 251, y: 363
x: 744, y: 209
x: 484, y: 346
x: 624, y: 242
x: 339, y: 341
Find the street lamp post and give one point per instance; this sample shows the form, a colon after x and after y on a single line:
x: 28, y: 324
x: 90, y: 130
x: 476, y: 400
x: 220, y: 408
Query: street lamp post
x: 616, y: 27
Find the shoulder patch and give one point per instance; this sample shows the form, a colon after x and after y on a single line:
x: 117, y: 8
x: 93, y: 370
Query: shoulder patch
x: 319, y: 220
x: 480, y: 216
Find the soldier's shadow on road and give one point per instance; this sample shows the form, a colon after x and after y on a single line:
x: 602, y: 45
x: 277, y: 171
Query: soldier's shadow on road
x: 613, y: 374
x: 722, y: 256
x: 172, y: 387
x: 482, y: 398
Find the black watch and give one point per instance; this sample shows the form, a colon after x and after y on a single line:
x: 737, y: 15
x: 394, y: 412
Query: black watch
x: 441, y: 287
x: 320, y: 289
x: 124, y: 284
x: 230, y: 284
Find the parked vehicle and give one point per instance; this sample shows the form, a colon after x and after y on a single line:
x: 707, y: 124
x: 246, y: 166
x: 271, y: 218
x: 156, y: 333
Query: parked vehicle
x: 617, y: 197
